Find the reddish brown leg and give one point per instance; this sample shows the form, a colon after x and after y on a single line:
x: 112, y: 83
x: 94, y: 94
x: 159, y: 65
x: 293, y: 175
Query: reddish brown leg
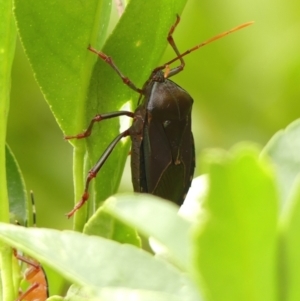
x: 173, y: 45
x: 26, y: 260
x: 94, y: 171
x: 171, y: 72
x: 31, y: 289
x: 110, y: 62
x: 99, y: 118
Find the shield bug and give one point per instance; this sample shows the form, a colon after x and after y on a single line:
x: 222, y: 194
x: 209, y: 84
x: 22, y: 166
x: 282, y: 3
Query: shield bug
x: 36, y: 278
x: 162, y: 150
x: 34, y: 275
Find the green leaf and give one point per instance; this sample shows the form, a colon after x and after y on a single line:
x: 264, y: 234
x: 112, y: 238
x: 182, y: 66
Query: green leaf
x: 283, y: 148
x: 113, y: 294
x: 290, y: 247
x: 97, y: 262
x: 191, y: 209
x: 104, y: 225
x: 236, y: 243
x: 55, y: 35
x: 62, y: 31
x: 56, y: 298
x: 16, y: 190
x: 157, y: 218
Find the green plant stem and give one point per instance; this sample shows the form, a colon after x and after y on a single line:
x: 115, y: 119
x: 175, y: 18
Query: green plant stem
x: 78, y: 176
x: 7, y: 49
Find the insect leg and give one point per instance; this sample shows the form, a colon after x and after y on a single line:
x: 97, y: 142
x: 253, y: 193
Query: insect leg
x: 170, y: 72
x: 173, y: 45
x: 97, y: 118
x: 109, y: 61
x: 94, y: 171
x: 28, y: 291
x: 26, y: 260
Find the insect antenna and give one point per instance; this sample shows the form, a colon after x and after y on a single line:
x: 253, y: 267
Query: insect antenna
x: 180, y: 56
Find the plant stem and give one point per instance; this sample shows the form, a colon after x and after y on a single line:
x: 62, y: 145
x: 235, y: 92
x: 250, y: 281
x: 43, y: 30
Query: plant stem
x: 7, y: 49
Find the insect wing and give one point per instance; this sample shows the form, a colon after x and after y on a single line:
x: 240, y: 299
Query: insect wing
x: 168, y: 147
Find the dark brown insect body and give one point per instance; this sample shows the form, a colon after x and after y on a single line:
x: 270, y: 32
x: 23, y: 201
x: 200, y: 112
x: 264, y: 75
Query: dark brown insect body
x: 162, y: 151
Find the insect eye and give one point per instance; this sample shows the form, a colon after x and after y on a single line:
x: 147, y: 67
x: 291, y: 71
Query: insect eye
x: 166, y: 123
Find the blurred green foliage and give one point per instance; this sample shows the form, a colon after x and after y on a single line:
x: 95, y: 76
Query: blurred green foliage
x: 245, y: 87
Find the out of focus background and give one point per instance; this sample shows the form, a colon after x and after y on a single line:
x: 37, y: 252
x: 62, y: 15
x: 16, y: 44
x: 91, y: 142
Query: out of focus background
x: 245, y: 87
